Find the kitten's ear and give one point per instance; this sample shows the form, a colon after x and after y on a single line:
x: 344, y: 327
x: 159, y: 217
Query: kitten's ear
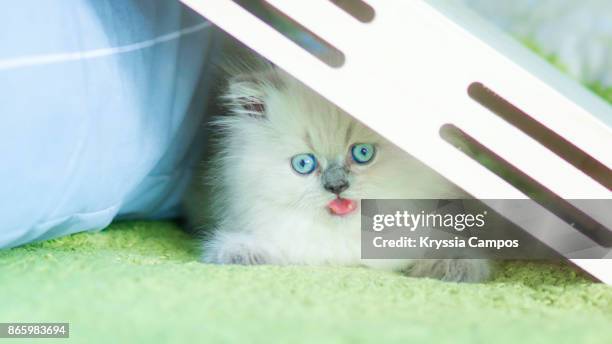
x: 246, y: 93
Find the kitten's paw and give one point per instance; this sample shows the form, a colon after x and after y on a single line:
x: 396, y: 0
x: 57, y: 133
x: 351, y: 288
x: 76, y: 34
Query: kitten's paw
x: 244, y: 257
x: 451, y: 270
x: 233, y: 248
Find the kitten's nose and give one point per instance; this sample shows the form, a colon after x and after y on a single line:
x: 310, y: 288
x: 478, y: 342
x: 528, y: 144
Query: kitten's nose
x: 337, y: 188
x: 335, y: 179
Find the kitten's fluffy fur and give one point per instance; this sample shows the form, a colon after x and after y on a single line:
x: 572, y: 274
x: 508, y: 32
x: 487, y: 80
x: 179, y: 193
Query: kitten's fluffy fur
x: 266, y: 213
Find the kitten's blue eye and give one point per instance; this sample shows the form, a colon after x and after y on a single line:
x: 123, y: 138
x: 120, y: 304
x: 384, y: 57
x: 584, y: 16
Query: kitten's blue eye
x: 304, y: 163
x: 363, y: 152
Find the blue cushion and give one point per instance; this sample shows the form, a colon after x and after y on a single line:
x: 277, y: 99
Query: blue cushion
x: 101, y: 102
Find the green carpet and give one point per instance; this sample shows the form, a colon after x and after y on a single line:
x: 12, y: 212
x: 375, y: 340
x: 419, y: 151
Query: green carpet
x: 140, y: 282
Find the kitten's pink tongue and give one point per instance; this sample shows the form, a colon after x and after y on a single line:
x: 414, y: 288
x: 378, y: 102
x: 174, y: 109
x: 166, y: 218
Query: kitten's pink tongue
x: 341, y: 206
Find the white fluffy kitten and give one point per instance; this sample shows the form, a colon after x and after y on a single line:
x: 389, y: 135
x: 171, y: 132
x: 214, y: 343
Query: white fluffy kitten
x: 286, y: 185
x: 267, y: 213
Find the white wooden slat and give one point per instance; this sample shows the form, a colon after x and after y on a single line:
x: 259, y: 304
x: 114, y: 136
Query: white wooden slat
x: 534, y: 86
x: 253, y: 32
x: 339, y: 32
x: 474, y: 60
x: 530, y: 156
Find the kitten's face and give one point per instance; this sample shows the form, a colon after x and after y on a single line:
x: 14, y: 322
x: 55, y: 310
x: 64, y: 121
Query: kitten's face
x: 304, y: 153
